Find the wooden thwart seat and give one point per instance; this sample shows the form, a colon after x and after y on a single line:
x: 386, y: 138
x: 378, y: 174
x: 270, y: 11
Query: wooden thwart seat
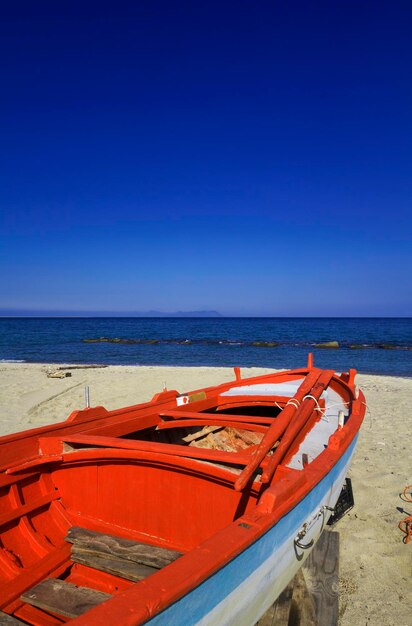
x: 63, y: 598
x: 125, y: 558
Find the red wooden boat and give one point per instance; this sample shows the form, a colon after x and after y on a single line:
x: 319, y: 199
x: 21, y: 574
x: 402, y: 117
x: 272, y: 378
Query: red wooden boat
x: 194, y: 508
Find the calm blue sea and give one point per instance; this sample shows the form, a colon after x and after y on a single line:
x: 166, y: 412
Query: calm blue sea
x: 386, y: 342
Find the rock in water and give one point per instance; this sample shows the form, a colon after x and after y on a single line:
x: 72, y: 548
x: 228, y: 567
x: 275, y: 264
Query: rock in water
x: 327, y: 344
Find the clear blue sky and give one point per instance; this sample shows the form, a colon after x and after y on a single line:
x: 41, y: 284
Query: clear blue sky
x: 248, y: 157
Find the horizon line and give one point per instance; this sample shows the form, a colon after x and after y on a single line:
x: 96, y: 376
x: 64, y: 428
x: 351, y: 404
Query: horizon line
x: 183, y: 316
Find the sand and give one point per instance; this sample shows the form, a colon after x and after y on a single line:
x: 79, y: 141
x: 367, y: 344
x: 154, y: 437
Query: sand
x: 375, y: 566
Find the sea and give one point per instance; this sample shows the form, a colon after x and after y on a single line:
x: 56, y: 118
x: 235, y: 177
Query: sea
x: 371, y: 345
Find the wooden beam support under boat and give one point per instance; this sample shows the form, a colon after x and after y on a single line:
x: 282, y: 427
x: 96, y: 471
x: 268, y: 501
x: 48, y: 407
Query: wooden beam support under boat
x: 311, y: 598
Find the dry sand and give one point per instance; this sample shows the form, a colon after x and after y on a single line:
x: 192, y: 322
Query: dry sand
x: 375, y: 566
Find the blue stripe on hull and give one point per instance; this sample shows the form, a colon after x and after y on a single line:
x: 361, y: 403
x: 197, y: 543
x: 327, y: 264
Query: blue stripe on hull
x: 261, y: 571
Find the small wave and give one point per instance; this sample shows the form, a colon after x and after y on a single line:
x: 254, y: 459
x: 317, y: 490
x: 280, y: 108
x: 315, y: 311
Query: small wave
x: 12, y: 361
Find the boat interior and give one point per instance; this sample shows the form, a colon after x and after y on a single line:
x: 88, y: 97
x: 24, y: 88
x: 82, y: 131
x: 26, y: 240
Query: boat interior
x: 96, y: 504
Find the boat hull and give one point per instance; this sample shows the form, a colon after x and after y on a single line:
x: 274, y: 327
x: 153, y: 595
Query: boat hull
x: 239, y: 485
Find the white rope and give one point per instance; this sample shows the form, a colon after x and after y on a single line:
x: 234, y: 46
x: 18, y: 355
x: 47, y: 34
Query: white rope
x: 318, y: 407
x: 294, y: 402
x: 311, y: 398
x: 323, y: 416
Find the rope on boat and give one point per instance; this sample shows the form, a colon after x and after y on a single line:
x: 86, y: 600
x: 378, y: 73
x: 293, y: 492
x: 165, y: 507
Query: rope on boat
x: 319, y: 408
x: 294, y: 402
x: 322, y: 412
x: 405, y: 525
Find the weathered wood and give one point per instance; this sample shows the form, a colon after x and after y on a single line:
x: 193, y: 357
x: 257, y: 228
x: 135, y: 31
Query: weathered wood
x: 294, y: 607
x: 321, y: 572
x: 302, y: 608
x: 57, y: 375
x: 278, y: 613
x: 117, y: 566
x: 201, y: 433
x: 109, y: 546
x: 9, y: 620
x: 282, y: 607
x: 63, y: 598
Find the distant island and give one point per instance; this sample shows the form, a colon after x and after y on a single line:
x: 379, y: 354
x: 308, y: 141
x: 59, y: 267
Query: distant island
x: 50, y: 313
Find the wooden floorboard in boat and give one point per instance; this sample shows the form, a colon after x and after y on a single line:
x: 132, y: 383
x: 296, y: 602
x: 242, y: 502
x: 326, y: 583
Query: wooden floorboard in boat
x: 118, y: 567
x: 58, y: 596
x: 108, y: 546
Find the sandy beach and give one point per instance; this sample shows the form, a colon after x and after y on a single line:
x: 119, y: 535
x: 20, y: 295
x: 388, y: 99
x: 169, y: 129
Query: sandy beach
x: 375, y: 566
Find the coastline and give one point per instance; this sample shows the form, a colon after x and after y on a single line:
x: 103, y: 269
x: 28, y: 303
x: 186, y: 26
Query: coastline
x: 374, y: 563
x: 189, y: 367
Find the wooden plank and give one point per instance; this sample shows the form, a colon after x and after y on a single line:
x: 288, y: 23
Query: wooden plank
x: 63, y: 598
x: 118, y: 567
x: 311, y: 599
x: 9, y: 620
x: 282, y: 606
x: 302, y: 610
x: 321, y: 572
x: 278, y: 613
x: 201, y: 433
x: 294, y: 607
x: 108, y: 546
